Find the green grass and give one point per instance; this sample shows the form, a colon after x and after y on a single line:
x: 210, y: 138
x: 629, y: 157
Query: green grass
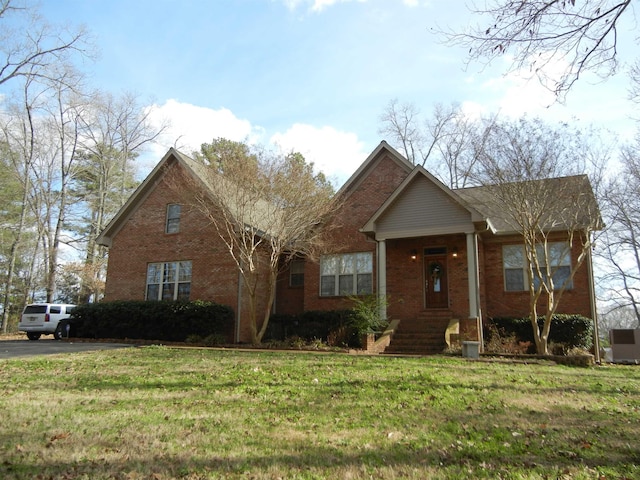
x: 161, y: 413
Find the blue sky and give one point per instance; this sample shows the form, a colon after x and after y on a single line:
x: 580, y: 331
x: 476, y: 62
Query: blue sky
x: 310, y: 75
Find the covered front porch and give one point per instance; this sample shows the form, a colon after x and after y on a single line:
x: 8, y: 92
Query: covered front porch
x: 427, y: 262
x: 428, y: 288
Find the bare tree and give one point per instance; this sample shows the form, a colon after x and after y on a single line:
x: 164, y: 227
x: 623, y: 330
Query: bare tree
x: 29, y: 46
x: 267, y: 208
x: 621, y: 241
x: 447, y: 141
x: 634, y: 89
x: 19, y: 136
x: 114, y: 131
x: 59, y: 139
x: 461, y: 139
x: 34, y: 51
x: 538, y: 34
x: 400, y: 124
x: 522, y: 166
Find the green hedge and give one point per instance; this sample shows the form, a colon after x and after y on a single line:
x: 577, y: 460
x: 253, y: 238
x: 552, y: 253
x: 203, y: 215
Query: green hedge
x: 570, y: 331
x: 331, y: 326
x: 168, y: 321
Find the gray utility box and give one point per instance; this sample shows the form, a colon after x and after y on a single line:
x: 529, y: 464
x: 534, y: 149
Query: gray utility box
x: 471, y: 349
x: 625, y: 345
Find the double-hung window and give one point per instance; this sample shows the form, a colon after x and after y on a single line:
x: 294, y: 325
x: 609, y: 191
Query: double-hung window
x: 346, y: 274
x: 515, y: 266
x: 172, y: 224
x: 296, y: 273
x: 168, y: 281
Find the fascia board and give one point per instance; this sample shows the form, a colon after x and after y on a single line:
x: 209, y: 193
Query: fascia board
x: 140, y: 193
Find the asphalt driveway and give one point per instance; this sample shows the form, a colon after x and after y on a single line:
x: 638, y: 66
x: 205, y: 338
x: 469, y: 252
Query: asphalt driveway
x: 48, y: 346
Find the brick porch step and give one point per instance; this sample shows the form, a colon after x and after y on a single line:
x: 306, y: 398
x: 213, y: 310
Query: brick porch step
x: 423, y: 335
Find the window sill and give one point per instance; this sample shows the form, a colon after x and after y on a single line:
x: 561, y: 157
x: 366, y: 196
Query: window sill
x: 344, y: 296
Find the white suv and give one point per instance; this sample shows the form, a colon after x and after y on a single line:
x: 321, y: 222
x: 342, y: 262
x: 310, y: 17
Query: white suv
x: 45, y: 319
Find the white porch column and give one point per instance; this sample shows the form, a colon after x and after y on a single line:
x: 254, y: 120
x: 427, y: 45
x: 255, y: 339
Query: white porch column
x: 472, y: 268
x: 382, y: 276
x: 474, y: 283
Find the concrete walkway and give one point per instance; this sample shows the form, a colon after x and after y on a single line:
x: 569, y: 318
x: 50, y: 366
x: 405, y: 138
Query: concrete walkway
x: 49, y: 346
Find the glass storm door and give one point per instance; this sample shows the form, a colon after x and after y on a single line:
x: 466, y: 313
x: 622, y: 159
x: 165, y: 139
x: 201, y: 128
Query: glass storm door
x: 435, y: 274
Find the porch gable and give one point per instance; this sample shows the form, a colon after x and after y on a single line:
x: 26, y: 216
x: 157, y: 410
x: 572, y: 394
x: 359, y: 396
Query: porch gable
x: 421, y: 206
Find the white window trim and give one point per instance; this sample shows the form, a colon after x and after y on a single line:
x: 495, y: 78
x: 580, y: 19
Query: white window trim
x: 352, y: 257
x: 180, y: 266
x: 172, y: 220
x: 565, y: 261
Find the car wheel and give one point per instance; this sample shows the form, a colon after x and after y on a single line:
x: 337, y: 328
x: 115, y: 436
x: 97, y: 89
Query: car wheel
x: 61, y: 331
x: 33, y: 335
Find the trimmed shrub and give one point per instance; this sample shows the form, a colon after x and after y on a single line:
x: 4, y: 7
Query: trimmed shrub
x: 498, y: 341
x: 168, y: 321
x: 567, y: 331
x: 335, y: 327
x: 367, y: 319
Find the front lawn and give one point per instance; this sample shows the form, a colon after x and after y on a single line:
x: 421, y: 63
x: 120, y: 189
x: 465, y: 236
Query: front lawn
x: 161, y: 413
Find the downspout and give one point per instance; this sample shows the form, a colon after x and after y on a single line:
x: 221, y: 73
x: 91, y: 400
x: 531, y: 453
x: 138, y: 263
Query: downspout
x: 239, y: 307
x: 594, y: 310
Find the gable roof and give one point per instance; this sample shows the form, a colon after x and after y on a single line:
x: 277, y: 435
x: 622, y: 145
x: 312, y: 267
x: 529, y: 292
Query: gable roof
x: 143, y: 190
x: 422, y: 205
x: 245, y: 206
x: 568, y: 202
x: 378, y: 153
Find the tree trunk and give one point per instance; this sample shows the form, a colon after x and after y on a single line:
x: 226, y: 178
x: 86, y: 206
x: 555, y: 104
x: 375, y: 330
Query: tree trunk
x: 8, y: 286
x: 273, y: 277
x: 13, y: 254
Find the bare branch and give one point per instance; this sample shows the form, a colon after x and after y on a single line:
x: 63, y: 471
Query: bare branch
x: 29, y: 46
x: 447, y: 141
x: 540, y: 35
x: 521, y: 168
x: 399, y: 124
x: 266, y: 208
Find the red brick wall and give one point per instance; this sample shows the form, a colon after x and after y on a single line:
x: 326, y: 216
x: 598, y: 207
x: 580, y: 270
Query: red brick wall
x: 406, y: 278
x: 289, y: 300
x: 142, y: 240
x: 498, y: 302
x: 360, y: 204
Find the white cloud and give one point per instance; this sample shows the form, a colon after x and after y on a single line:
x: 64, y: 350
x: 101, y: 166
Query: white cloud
x: 513, y: 94
x: 474, y: 110
x: 319, y: 5
x: 522, y: 96
x: 591, y: 102
x: 191, y: 125
x: 337, y: 154
x: 316, y: 5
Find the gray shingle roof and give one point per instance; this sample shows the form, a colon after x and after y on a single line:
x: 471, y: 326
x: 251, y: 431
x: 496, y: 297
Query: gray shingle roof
x: 559, y: 203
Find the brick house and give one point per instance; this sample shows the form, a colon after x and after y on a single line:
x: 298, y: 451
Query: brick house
x: 436, y: 254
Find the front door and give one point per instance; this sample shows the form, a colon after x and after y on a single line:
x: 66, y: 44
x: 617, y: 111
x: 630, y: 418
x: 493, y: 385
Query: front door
x: 435, y: 274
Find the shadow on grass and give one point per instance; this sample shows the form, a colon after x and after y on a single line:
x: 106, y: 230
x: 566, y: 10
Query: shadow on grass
x: 468, y: 442
x: 400, y: 459
x: 422, y: 424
